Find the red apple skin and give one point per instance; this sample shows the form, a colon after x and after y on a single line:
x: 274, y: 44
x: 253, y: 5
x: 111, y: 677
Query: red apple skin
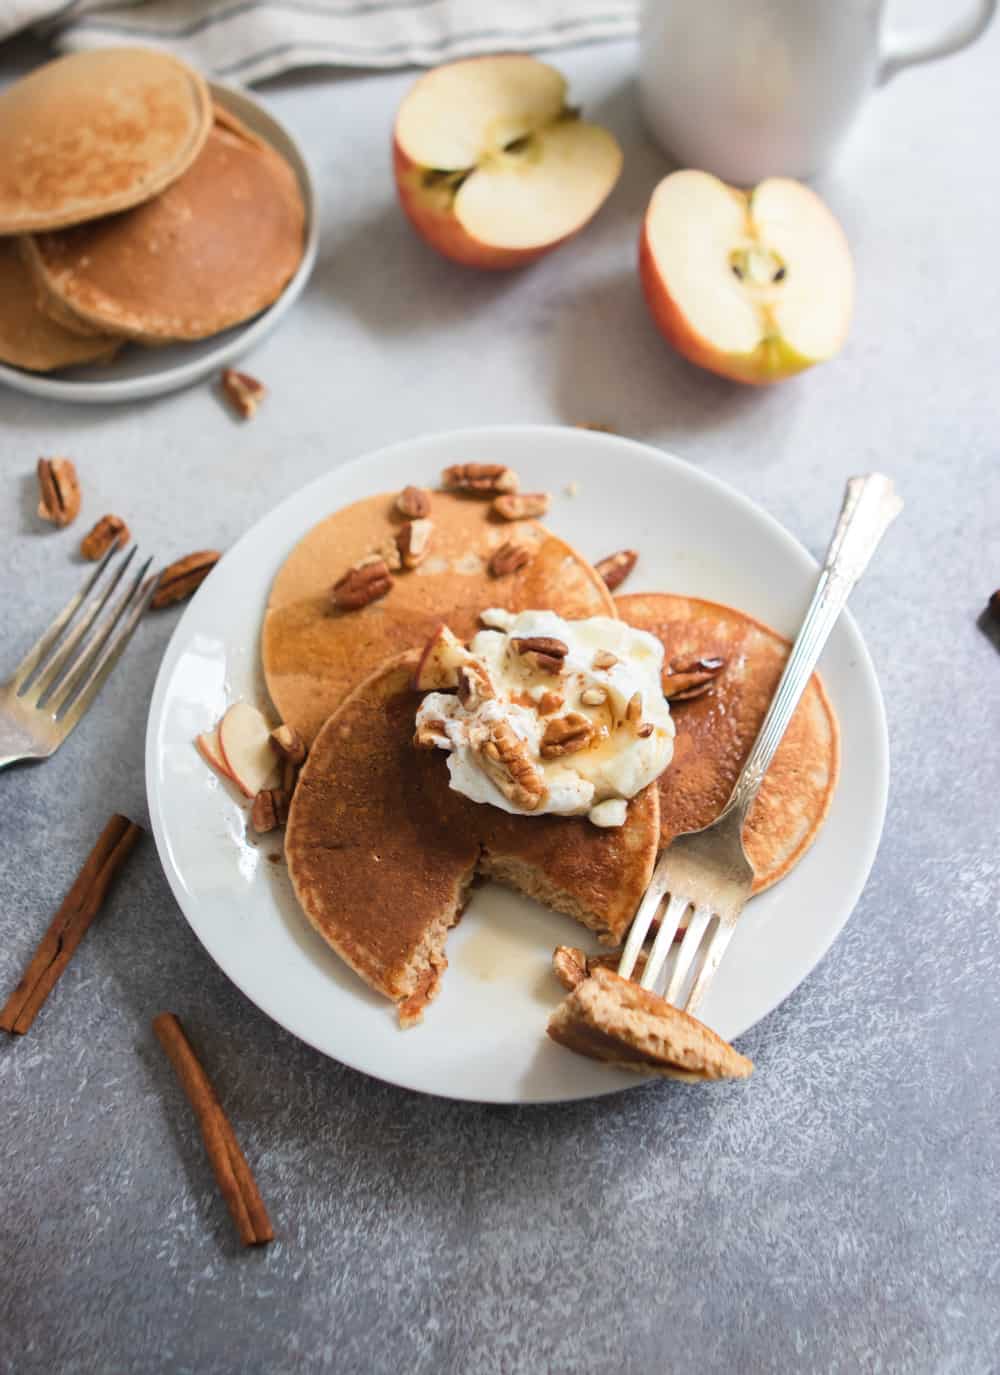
x: 442, y: 229
x: 767, y: 364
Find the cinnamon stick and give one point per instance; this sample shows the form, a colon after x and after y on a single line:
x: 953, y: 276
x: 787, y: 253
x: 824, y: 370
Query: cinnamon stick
x: 233, y: 1174
x: 69, y: 925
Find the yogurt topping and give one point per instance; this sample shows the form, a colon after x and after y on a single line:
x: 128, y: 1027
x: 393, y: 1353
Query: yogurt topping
x: 554, y: 716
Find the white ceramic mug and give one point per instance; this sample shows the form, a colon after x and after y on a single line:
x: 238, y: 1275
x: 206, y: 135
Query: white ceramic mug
x: 754, y: 88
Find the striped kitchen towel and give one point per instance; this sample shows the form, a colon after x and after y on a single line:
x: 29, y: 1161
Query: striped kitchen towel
x: 247, y: 40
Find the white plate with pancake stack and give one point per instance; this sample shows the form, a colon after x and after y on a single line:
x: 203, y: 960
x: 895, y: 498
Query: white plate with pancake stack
x: 74, y: 252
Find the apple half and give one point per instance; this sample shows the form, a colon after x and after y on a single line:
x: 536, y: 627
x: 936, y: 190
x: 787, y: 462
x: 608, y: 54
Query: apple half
x: 493, y: 167
x: 753, y: 285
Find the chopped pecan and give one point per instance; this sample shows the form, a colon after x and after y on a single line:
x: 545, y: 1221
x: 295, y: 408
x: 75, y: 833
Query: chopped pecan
x: 505, y: 759
x: 58, y: 491
x: 183, y: 577
x: 430, y: 734
x: 645, y: 730
x: 566, y: 735
x: 616, y: 567
x: 414, y: 503
x: 521, y: 505
x: 483, y: 478
x: 569, y: 966
x: 366, y: 582
x: 508, y: 559
x: 633, y: 709
x: 474, y: 685
x: 269, y: 810
x: 687, y: 681
x: 414, y: 541
x: 243, y: 392
x: 549, y: 702
x: 288, y: 744
x: 543, y: 651
x: 388, y: 552
x: 109, y: 530
x: 605, y: 659
x: 594, y: 696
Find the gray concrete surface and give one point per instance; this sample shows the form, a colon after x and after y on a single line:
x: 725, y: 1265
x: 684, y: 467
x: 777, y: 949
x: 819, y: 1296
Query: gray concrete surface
x: 840, y: 1213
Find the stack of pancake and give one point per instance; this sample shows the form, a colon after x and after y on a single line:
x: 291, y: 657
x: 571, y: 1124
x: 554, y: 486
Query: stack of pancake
x: 132, y: 207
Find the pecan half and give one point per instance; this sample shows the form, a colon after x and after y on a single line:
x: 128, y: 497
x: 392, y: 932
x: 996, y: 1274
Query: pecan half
x: 414, y: 541
x: 687, y: 681
x: 109, y: 530
x: 183, y: 577
x: 414, y: 503
x: 269, y: 810
x: 566, y: 735
x: 366, y: 582
x: 616, y: 567
x: 521, y: 505
x: 504, y: 758
x: 484, y: 478
x: 542, y: 651
x: 243, y: 392
x: 508, y: 559
x: 289, y: 745
x: 58, y: 491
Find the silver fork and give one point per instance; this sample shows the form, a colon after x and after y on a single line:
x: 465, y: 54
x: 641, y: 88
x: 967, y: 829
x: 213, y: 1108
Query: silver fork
x: 62, y: 673
x: 707, y: 872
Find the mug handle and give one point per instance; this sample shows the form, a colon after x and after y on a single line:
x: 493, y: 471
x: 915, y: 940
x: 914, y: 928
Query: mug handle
x: 899, y: 52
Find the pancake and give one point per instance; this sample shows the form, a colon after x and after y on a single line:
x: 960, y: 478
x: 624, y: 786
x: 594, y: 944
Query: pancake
x: 218, y: 246
x: 28, y: 338
x: 716, y: 731
x: 95, y: 133
x: 313, y: 655
x: 381, y: 852
x: 612, y: 1019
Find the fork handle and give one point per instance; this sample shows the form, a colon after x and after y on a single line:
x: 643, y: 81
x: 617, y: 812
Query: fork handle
x: 871, y: 504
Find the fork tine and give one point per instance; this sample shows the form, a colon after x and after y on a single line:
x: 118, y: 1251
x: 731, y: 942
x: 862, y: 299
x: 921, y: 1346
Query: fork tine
x: 108, y: 659
x: 669, y: 923
x: 64, y: 693
x: 688, y: 952
x: 50, y: 674
x: 641, y: 923
x: 43, y: 645
x: 713, y: 958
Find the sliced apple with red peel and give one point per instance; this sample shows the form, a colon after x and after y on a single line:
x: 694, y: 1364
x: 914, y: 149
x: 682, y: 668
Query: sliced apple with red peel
x: 493, y: 167
x: 752, y: 285
x: 210, y: 750
x: 444, y: 654
x: 245, y: 745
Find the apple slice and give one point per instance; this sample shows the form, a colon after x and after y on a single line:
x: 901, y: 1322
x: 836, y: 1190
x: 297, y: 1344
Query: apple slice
x: 492, y: 166
x: 444, y: 654
x: 245, y: 744
x: 752, y: 285
x: 210, y: 750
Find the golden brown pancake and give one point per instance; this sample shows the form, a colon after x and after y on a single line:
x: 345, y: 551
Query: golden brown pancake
x: 216, y: 247
x: 612, y: 1019
x: 95, y: 133
x: 28, y: 338
x: 314, y: 655
x: 381, y: 851
x: 715, y: 732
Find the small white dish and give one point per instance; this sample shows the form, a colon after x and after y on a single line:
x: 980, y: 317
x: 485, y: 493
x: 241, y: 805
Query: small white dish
x: 140, y: 372
x: 484, y: 1036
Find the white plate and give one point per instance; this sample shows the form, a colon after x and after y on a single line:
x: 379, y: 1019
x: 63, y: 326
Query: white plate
x: 141, y: 372
x: 483, y: 1038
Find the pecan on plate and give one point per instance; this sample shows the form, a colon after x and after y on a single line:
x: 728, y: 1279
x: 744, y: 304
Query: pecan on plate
x: 505, y: 759
x: 179, y: 579
x: 687, y: 681
x: 414, y: 503
x: 58, y: 491
x: 366, y: 582
x: 544, y: 652
x: 566, y: 735
x: 109, y: 530
x: 414, y: 541
x: 616, y: 567
x: 269, y: 810
x: 486, y: 479
x: 520, y: 505
x: 243, y: 392
x: 289, y: 745
x: 508, y: 558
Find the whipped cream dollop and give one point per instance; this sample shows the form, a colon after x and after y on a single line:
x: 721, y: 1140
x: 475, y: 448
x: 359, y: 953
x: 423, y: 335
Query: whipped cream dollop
x: 548, y: 716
